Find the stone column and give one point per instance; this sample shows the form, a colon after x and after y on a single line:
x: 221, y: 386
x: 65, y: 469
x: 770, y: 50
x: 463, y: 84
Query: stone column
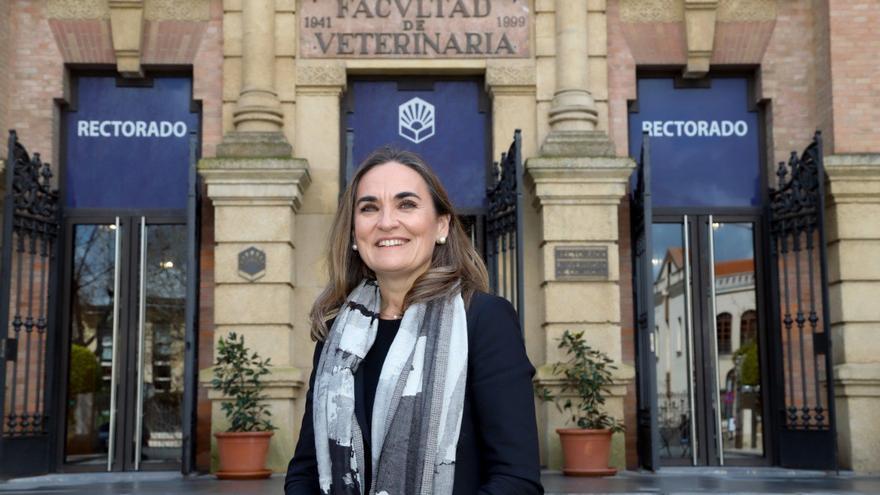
x: 577, y: 184
x: 854, y: 289
x: 578, y: 199
x: 255, y: 203
x: 573, y: 116
x: 257, y: 117
x: 257, y: 189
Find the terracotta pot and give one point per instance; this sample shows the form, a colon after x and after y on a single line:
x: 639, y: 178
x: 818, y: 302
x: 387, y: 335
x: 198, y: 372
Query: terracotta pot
x: 586, y: 452
x: 243, y: 455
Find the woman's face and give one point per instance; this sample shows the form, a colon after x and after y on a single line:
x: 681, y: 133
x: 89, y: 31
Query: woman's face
x: 395, y: 223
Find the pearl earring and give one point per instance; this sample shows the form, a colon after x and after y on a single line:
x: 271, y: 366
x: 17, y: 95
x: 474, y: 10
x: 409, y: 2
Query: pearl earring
x: 354, y: 247
x: 441, y: 240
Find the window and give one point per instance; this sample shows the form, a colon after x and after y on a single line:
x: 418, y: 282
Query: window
x: 723, y: 322
x: 748, y: 327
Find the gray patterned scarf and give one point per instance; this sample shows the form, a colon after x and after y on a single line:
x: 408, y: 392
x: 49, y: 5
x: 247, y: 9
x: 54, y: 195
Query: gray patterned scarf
x: 418, y: 404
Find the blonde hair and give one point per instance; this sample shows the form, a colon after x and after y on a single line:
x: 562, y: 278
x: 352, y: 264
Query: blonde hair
x: 454, y: 266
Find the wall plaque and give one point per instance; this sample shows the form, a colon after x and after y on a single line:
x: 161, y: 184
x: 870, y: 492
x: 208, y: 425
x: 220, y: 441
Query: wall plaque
x: 414, y: 28
x: 252, y: 264
x: 581, y: 262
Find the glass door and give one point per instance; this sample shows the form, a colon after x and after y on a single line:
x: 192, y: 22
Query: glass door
x: 125, y: 351
x: 710, y: 409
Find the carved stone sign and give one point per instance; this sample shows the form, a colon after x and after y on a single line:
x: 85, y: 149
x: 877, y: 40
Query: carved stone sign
x: 581, y: 262
x: 414, y: 28
x: 251, y: 264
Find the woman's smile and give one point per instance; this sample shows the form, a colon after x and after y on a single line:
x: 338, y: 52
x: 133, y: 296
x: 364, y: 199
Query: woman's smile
x: 386, y: 243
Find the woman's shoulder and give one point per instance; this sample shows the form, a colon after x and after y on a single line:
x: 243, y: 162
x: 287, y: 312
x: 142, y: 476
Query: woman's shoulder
x: 483, y: 302
x: 489, y: 314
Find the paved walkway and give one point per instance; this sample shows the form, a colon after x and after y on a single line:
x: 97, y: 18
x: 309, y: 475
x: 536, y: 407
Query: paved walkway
x: 667, y: 481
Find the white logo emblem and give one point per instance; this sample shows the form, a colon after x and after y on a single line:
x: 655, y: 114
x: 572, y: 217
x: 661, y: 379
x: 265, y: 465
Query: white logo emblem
x: 416, y: 120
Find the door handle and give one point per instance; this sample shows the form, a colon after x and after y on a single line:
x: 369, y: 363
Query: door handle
x: 689, y: 331
x: 142, y: 306
x: 716, y: 378
x: 111, y: 440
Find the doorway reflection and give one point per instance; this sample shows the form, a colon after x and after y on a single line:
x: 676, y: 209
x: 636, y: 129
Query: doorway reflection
x: 91, y: 343
x: 736, y: 319
x: 674, y: 368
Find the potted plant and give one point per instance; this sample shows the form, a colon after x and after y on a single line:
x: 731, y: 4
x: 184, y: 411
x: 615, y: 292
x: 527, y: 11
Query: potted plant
x: 238, y: 374
x: 585, y: 377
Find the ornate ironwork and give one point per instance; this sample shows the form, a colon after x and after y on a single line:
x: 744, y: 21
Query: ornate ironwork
x: 798, y: 251
x: 504, y: 256
x: 30, y: 230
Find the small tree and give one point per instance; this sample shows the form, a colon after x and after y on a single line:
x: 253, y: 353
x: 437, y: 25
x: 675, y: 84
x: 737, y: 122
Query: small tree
x: 586, y: 374
x: 238, y: 374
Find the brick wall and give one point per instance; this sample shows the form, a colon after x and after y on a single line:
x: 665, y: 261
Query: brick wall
x: 5, y: 25
x: 35, y: 78
x: 855, y: 75
x: 787, y: 81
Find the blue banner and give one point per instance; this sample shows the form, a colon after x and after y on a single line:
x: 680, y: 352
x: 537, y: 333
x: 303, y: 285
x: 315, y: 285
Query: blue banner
x: 128, y: 147
x: 444, y: 125
x: 704, y: 143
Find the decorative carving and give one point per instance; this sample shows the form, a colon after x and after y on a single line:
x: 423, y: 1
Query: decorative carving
x: 320, y: 74
x: 746, y: 10
x: 673, y: 10
x: 651, y: 10
x: 699, y: 16
x: 252, y: 264
x: 77, y: 9
x: 510, y: 74
x: 126, y: 26
x: 176, y: 10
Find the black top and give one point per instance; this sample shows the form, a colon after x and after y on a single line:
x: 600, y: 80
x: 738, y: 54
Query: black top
x: 497, y: 449
x: 371, y: 368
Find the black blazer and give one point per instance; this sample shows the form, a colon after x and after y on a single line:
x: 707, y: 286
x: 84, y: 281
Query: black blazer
x: 498, y: 444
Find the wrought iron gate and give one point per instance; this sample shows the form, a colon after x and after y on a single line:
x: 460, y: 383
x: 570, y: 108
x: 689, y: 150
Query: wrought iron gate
x: 27, y: 273
x: 643, y: 296
x: 504, y: 230
x: 801, y: 330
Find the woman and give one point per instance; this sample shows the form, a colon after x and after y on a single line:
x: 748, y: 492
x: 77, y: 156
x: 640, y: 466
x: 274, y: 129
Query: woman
x: 421, y: 384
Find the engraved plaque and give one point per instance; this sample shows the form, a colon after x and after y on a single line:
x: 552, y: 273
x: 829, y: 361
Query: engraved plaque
x: 251, y: 264
x: 581, y: 262
x: 414, y: 28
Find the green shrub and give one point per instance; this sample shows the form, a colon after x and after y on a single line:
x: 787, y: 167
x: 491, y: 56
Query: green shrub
x: 238, y: 373
x: 750, y: 373
x: 83, y: 370
x: 586, y: 374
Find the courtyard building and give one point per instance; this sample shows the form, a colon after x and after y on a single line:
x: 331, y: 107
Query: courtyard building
x: 694, y: 184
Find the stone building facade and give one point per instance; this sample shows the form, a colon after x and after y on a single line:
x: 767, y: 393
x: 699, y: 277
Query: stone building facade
x: 273, y: 84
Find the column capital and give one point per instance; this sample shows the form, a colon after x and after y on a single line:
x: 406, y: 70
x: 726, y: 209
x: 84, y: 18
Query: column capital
x: 510, y: 77
x: 320, y: 77
x: 578, y: 180
x: 853, y: 178
x: 256, y: 181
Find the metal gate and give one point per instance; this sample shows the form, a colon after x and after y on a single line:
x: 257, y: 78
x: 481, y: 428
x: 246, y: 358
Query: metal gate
x: 27, y: 273
x: 804, y: 398
x: 643, y: 296
x: 504, y: 227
